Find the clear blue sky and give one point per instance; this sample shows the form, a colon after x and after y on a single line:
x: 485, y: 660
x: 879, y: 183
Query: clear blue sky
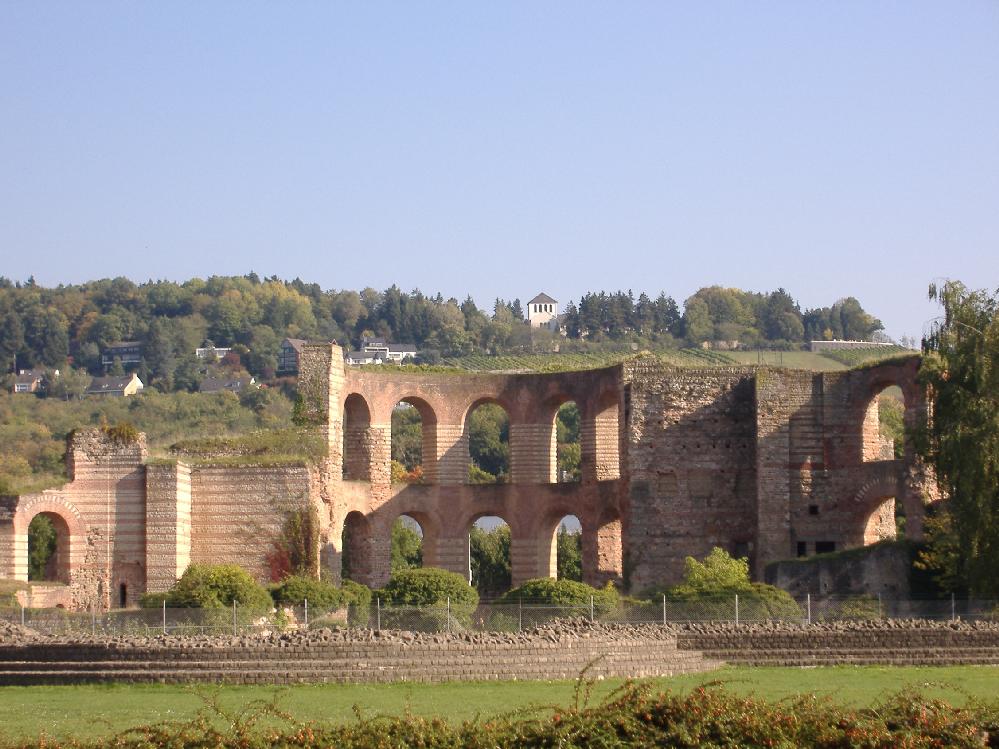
x: 499, y: 149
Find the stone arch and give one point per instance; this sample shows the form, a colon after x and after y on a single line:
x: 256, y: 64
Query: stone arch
x: 513, y: 552
x: 601, y: 436
x: 70, y: 532
x: 874, y: 506
x: 356, y: 555
x: 428, y: 440
x: 547, y: 450
x: 356, y: 438
x: 506, y: 475
x: 546, y: 536
x: 873, y: 445
x: 429, y: 533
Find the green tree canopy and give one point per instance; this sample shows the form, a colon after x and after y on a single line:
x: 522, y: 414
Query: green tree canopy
x: 489, y: 552
x: 961, y: 368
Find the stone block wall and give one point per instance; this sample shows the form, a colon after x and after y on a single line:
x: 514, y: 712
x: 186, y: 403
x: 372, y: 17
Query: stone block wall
x: 237, y: 512
x: 385, y: 657
x: 881, y: 569
x: 691, y: 467
x: 168, y: 524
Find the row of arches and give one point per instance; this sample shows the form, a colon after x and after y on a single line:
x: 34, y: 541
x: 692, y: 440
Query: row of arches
x: 562, y: 445
x: 493, y: 556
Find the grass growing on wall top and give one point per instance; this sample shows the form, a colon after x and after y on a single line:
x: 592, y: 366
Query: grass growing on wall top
x: 294, y: 444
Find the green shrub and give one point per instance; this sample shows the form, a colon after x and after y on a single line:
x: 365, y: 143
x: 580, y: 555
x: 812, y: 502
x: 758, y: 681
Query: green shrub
x: 427, y: 587
x: 206, y: 586
x: 359, y: 603
x: 709, y: 588
x: 324, y: 597
x: 547, y: 591
x: 295, y: 590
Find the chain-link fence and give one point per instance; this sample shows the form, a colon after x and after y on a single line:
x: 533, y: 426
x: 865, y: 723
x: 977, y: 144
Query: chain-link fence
x: 496, y: 616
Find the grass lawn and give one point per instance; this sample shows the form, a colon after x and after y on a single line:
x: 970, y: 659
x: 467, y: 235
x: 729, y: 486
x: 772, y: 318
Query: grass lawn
x: 93, y: 711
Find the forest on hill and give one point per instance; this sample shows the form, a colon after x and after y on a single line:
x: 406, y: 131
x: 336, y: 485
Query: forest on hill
x: 50, y: 327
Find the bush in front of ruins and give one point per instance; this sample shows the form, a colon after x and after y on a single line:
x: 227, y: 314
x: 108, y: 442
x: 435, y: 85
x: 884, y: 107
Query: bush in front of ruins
x: 206, y: 586
x: 710, y: 586
x: 427, y: 588
x: 323, y: 596
x: 359, y: 602
x: 574, y: 597
x: 295, y: 590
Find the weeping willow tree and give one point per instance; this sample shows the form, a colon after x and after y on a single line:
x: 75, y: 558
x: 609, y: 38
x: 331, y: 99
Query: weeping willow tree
x: 961, y: 370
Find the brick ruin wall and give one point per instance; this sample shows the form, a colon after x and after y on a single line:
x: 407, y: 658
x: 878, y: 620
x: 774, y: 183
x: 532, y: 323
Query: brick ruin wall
x: 765, y: 463
x: 691, y: 467
x: 125, y: 527
x: 356, y: 409
x: 238, y: 509
x: 99, y: 517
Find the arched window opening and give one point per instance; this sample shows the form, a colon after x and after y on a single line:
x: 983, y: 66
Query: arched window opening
x: 606, y: 438
x: 414, y: 442
x: 569, y: 549
x: 355, y: 557
x: 568, y: 449
x: 488, y: 427
x: 407, y: 543
x: 489, y: 565
x: 48, y: 548
x: 356, y: 440
x: 407, y: 445
x: 883, y: 523
x: 884, y: 425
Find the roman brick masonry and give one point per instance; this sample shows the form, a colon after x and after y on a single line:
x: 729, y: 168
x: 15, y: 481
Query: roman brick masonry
x: 766, y: 463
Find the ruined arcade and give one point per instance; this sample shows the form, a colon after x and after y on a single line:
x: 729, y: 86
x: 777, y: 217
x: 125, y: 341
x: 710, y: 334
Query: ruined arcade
x: 765, y: 463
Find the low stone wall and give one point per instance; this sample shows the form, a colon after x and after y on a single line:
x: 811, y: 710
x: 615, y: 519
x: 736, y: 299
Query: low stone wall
x: 891, y: 642
x: 882, y: 568
x: 558, y: 651
x: 352, y: 657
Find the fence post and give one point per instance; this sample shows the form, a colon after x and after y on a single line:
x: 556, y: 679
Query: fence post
x: 737, y: 609
x: 234, y: 617
x: 808, y: 604
x: 664, y: 609
x: 449, y: 613
x: 520, y: 614
x: 378, y: 613
x: 880, y: 614
x: 306, y: 613
x: 953, y: 608
x: 591, y: 609
x: 22, y: 614
x: 164, y: 616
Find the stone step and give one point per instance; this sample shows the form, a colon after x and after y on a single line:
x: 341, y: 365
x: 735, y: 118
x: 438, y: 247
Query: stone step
x: 291, y: 676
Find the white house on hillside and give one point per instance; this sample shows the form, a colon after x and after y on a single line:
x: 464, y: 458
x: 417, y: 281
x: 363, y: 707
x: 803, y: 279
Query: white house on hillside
x: 542, y: 312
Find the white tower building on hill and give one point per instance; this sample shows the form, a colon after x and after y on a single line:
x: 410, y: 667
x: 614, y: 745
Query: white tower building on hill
x: 542, y: 312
